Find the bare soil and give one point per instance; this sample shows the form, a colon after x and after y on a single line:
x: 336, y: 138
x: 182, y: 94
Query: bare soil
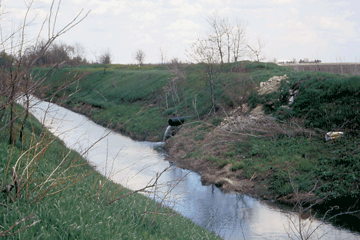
x: 213, y: 145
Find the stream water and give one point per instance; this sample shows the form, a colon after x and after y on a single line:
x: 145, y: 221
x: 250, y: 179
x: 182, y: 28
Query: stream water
x: 135, y: 164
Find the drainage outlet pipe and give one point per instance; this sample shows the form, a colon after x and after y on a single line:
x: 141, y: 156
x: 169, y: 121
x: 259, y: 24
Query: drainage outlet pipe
x: 176, y: 121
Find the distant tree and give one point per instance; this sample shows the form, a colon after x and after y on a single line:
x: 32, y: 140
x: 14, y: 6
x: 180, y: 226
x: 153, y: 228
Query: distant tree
x: 79, y: 50
x: 163, y: 53
x: 218, y: 28
x: 37, y: 52
x: 78, y: 55
x: 227, y: 37
x: 56, y: 53
x: 60, y: 52
x: 173, y: 87
x: 238, y: 40
x: 105, y: 57
x: 256, y: 50
x: 139, y: 56
x: 5, y: 59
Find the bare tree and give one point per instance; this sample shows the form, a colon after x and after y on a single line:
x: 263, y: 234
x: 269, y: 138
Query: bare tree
x: 227, y: 28
x: 78, y: 55
x: 203, y: 52
x: 163, y: 53
x: 238, y: 40
x: 178, y: 76
x: 139, y: 56
x: 79, y: 50
x: 256, y: 50
x: 217, y: 33
x: 227, y: 37
x: 226, y: 42
x: 60, y: 53
x: 105, y: 57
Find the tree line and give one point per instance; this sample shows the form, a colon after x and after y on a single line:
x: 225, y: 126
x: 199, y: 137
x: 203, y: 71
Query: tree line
x: 73, y: 55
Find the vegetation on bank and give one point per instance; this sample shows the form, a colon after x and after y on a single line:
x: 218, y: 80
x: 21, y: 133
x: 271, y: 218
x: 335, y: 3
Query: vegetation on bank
x: 50, y: 192
x: 280, y: 164
x: 111, y: 95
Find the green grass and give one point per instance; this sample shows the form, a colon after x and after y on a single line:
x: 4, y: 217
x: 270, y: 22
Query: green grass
x: 115, y: 97
x: 79, y: 211
x: 129, y: 92
x: 334, y: 166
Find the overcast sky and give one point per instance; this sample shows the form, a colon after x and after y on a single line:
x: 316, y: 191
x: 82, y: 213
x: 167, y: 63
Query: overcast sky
x: 316, y: 29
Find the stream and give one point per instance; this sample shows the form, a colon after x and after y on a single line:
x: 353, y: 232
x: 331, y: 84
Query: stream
x: 135, y: 164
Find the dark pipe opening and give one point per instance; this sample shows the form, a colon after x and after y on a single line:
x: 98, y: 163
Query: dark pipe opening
x: 176, y: 121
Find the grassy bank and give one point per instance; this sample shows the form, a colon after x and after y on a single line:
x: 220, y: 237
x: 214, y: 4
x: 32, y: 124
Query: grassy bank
x: 52, y: 193
x: 149, y: 95
x: 114, y: 97
x: 283, y: 157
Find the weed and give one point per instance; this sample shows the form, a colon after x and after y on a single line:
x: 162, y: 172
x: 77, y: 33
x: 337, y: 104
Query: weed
x: 199, y: 136
x: 237, y: 166
x: 230, y: 154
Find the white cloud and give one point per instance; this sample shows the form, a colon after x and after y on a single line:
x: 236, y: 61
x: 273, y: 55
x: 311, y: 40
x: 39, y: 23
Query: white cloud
x: 189, y: 9
x: 145, y: 39
x: 329, y: 22
x: 179, y: 34
x: 213, y: 2
x: 183, y: 7
x: 341, y: 40
x: 177, y: 2
x: 276, y: 25
x: 104, y: 6
x: 300, y: 25
x: 282, y: 1
x: 148, y: 17
x: 302, y: 37
x: 79, y: 1
x: 184, y: 24
x: 337, y: 25
x: 45, y: 1
x: 294, y: 11
x: 147, y: 4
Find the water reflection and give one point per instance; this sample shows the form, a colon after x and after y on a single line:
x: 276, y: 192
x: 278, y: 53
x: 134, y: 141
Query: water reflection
x: 134, y: 164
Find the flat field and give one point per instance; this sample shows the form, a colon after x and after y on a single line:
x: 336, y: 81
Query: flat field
x: 340, y: 68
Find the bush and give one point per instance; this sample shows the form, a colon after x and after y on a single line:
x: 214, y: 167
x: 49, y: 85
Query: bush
x: 254, y: 99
